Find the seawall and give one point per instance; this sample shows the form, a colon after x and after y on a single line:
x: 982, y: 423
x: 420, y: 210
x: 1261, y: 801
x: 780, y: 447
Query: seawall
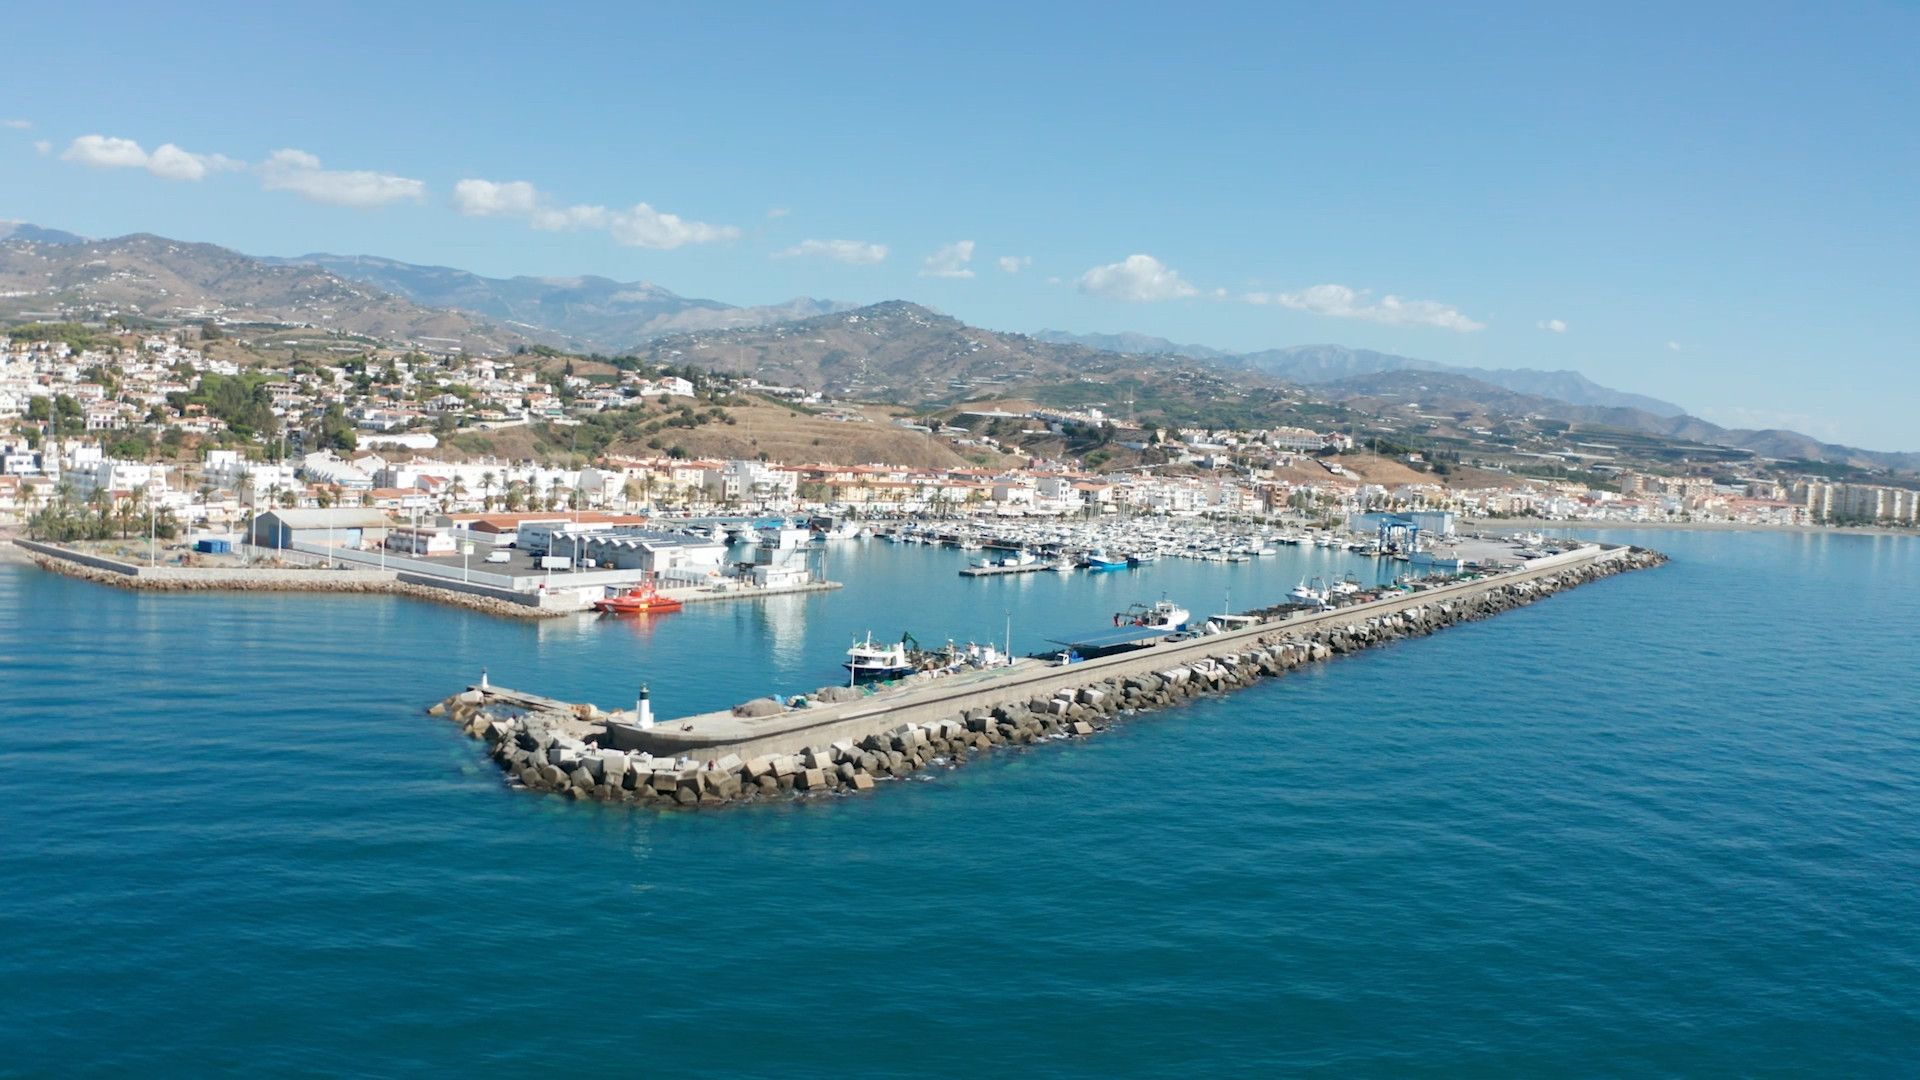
x: 717, y: 758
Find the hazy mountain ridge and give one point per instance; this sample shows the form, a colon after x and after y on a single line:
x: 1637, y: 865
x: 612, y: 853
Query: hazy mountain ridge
x: 1129, y: 343
x: 31, y: 233
x: 1449, y: 391
x: 1313, y: 364
x: 588, y: 313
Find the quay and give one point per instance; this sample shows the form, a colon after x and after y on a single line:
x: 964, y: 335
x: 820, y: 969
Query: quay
x: 845, y: 740
x: 308, y: 572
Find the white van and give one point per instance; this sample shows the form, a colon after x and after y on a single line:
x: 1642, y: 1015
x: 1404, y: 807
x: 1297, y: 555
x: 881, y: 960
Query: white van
x: 499, y: 556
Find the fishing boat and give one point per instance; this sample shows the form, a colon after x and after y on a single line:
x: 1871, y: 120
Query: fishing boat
x: 1023, y: 557
x: 1098, y: 561
x: 1141, y: 559
x: 1164, y: 614
x: 1304, y: 593
x: 869, y: 659
x: 1346, y: 586
x: 1063, y: 565
x: 639, y: 599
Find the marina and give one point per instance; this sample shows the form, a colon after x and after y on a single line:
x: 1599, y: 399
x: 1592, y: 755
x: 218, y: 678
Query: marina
x: 836, y: 738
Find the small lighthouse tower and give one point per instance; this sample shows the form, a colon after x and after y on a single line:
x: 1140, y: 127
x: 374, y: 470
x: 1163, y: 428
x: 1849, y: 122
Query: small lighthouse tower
x: 643, y: 708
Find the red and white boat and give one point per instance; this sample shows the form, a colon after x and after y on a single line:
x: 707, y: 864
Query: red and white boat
x: 639, y: 599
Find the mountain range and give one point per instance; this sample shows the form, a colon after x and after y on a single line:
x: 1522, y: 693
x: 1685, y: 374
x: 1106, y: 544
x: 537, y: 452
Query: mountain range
x: 894, y: 350
x: 589, y: 314
x: 1453, y: 391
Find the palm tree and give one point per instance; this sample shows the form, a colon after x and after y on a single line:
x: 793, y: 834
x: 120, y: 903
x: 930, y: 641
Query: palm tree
x: 486, y: 489
x: 125, y: 509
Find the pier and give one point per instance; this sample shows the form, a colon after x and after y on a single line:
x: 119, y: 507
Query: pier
x: 842, y: 740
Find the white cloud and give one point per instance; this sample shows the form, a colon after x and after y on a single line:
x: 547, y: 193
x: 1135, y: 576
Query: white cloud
x: 105, y: 152
x: 300, y: 173
x: 1342, y: 302
x: 1137, y: 279
x: 950, y: 261
x: 172, y: 163
x: 42, y: 147
x: 637, y: 226
x: 858, y: 252
x: 17, y: 125
x: 486, y: 198
x: 1673, y: 346
x: 169, y: 162
x: 1013, y: 264
x: 642, y: 226
x: 1553, y: 326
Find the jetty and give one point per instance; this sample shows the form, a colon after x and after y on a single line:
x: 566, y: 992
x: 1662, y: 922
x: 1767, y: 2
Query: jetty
x: 844, y: 740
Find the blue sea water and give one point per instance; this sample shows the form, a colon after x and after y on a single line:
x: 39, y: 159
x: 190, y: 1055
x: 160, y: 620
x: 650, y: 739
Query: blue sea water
x: 1662, y: 824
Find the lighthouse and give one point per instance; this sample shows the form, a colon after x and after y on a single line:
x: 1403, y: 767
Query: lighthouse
x: 643, y: 708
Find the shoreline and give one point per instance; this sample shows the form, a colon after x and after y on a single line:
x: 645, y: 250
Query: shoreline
x: 1510, y: 525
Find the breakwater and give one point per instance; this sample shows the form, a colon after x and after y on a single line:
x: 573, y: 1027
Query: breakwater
x: 766, y: 750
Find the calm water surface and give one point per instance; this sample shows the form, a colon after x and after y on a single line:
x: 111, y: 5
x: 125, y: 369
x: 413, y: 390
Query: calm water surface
x: 1663, y: 824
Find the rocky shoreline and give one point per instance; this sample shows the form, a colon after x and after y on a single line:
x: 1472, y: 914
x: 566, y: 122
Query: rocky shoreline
x: 213, y: 580
x: 556, y: 751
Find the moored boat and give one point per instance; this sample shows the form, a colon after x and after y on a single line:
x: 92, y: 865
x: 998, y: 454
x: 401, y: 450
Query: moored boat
x: 1163, y: 614
x: 869, y: 659
x: 1304, y: 593
x: 643, y: 598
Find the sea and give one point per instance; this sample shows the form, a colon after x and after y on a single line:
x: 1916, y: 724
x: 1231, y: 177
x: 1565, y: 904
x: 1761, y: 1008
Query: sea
x: 1661, y: 825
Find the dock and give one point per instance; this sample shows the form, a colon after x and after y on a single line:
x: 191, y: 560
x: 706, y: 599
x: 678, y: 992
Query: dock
x: 840, y: 743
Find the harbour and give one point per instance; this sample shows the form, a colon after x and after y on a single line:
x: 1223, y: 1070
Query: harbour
x: 836, y: 738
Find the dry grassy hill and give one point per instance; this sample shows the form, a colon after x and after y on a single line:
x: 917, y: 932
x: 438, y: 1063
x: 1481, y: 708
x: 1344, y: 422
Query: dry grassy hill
x: 153, y: 277
x: 758, y: 427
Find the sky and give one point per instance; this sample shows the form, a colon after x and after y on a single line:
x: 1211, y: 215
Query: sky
x: 1717, y: 204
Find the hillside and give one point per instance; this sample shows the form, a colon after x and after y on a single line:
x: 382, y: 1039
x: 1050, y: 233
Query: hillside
x: 592, y: 314
x: 757, y: 427
x: 1131, y: 344
x: 151, y: 277
x: 895, y: 351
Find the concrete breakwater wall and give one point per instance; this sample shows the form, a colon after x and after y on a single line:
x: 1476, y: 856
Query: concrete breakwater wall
x: 105, y: 571
x: 551, y: 746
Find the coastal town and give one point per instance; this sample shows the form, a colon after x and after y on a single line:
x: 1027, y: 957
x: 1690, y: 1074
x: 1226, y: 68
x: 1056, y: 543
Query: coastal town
x: 155, y: 433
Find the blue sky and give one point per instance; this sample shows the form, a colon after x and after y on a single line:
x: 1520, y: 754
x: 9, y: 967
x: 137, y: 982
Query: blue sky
x: 1717, y: 204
